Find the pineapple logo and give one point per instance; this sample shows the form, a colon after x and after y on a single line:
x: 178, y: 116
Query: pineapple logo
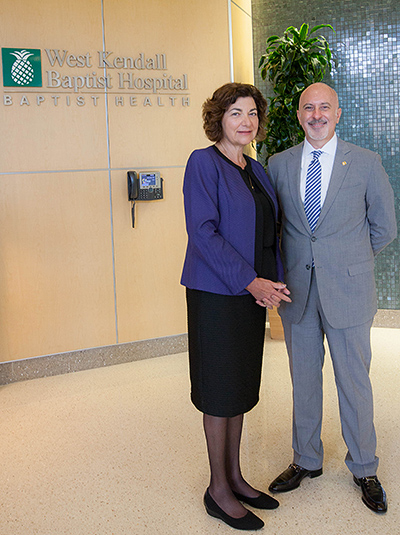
x: 22, y: 67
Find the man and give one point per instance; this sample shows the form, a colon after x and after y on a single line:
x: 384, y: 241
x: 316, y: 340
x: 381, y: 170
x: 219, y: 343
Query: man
x: 337, y: 214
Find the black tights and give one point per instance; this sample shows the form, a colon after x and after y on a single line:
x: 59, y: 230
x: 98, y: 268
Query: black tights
x: 223, y: 437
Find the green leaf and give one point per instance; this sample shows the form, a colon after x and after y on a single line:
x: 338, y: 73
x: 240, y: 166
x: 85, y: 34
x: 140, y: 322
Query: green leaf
x: 294, y: 31
x: 303, y: 31
x: 328, y: 52
x: 321, y: 26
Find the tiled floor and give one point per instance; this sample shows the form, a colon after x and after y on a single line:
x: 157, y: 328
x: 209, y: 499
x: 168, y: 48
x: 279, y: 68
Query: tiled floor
x: 120, y: 450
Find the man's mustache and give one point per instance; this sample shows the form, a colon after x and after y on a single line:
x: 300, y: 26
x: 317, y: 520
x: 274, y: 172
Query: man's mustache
x: 317, y: 121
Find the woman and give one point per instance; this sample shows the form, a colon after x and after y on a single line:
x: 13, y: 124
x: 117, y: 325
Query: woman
x: 232, y: 259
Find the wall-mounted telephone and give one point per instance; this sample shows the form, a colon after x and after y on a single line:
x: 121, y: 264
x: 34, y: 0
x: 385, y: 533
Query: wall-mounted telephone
x: 148, y: 186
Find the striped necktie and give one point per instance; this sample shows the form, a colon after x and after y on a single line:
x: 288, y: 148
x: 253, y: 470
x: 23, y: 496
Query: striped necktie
x: 312, y: 198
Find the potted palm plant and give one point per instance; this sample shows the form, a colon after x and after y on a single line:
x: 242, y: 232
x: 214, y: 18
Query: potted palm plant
x: 291, y: 63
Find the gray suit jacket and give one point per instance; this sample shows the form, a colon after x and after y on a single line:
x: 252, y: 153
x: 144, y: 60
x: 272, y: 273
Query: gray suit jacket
x: 357, y: 221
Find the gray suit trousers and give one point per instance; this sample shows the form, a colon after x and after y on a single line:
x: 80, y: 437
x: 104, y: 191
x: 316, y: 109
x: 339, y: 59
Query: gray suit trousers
x: 350, y: 351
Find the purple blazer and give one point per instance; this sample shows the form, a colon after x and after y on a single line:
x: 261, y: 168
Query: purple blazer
x: 220, y: 221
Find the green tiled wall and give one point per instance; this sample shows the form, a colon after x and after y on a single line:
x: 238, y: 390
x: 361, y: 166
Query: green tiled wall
x: 366, y: 44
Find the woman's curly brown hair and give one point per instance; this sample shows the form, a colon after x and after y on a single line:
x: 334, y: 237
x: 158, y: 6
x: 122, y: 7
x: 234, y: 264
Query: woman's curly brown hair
x: 215, y: 107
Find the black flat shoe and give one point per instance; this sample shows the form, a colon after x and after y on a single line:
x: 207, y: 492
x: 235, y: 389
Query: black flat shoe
x: 261, y: 502
x: 373, y: 494
x: 249, y: 521
x: 291, y: 478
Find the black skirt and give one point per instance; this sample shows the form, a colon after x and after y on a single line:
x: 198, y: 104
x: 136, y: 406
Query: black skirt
x: 226, y: 340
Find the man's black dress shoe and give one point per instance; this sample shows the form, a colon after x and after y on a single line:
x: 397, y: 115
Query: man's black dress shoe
x: 373, y: 494
x: 261, y: 502
x: 249, y: 521
x: 292, y: 477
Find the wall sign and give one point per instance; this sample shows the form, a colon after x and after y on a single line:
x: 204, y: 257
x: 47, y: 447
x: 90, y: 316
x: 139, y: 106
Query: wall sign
x: 69, y: 79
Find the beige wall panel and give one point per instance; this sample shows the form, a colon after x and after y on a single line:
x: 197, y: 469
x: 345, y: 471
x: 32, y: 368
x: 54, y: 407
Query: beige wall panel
x: 244, y: 4
x: 155, y: 137
x: 149, y: 260
x: 242, y: 38
x: 75, y: 23
x: 194, y: 37
x: 56, y: 282
x: 49, y: 137
x: 184, y: 29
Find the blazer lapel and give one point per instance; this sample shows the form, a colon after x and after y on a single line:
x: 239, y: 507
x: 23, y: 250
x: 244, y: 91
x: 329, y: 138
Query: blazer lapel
x: 294, y: 174
x: 341, y: 165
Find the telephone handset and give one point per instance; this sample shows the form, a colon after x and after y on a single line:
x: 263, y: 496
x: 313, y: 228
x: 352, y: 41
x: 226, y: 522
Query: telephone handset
x: 132, y: 185
x: 147, y: 187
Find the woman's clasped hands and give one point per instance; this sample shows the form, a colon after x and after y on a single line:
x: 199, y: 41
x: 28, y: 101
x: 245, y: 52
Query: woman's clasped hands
x: 267, y: 293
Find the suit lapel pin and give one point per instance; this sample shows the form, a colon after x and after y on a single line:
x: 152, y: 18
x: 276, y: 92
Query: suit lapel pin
x: 344, y: 163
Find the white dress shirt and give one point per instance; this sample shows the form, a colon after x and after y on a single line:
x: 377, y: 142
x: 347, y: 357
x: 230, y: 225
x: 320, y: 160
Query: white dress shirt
x: 327, y: 157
